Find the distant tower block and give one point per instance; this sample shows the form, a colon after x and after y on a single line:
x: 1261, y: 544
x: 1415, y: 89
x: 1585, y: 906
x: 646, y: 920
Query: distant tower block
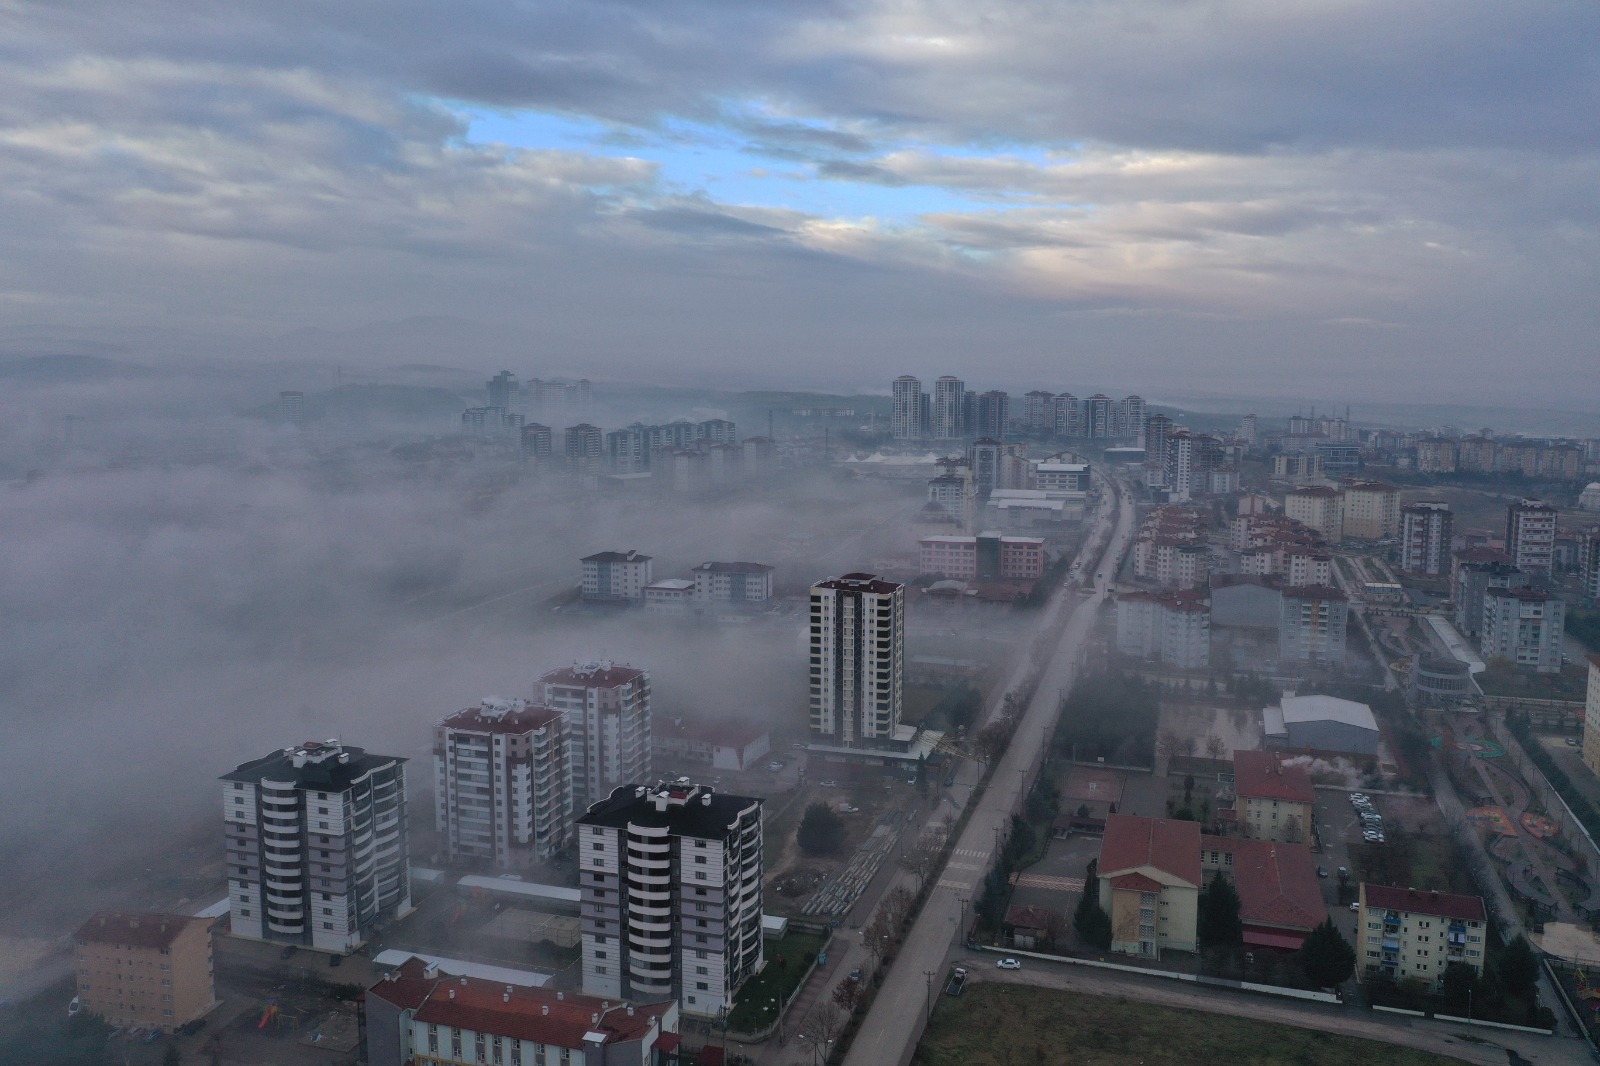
x: 292, y: 408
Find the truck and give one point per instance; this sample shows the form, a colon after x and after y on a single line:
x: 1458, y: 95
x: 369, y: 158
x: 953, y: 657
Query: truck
x: 958, y: 981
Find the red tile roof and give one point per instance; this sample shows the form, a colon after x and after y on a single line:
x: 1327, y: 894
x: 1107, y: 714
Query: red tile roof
x: 136, y: 929
x: 1263, y: 775
x: 1136, y: 883
x: 1170, y: 846
x: 1422, y: 901
x: 593, y: 675
x: 522, y: 720
x: 1277, y: 883
x: 516, y: 1011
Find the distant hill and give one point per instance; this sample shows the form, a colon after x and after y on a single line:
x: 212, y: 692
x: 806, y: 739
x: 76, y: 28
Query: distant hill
x: 46, y: 369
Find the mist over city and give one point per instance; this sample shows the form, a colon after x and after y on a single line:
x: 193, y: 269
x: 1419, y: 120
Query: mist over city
x: 869, y: 534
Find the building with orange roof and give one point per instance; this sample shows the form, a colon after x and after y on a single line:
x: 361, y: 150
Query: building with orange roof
x: 1280, y: 898
x: 145, y: 969
x: 1150, y: 879
x: 1275, y: 799
x: 417, y: 1014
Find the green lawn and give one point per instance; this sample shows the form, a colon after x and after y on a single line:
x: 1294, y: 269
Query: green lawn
x: 752, y: 1009
x: 1001, y: 1025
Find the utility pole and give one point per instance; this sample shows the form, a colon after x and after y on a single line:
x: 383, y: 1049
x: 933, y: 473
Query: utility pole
x: 929, y: 974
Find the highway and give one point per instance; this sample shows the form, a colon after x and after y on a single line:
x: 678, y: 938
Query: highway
x: 890, y: 1031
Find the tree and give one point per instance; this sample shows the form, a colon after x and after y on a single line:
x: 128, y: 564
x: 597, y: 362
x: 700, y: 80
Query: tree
x: 1091, y: 922
x: 1218, y: 923
x: 1326, y: 956
x: 172, y: 1058
x: 821, y: 830
x: 1457, y: 983
x: 846, y: 994
x: 1518, y: 968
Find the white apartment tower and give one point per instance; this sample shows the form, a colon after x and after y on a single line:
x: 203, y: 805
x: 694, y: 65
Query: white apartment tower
x: 316, y: 844
x: 1425, y: 532
x: 1523, y: 626
x: 670, y: 883
x: 857, y: 659
x: 612, y: 575
x: 503, y: 783
x: 906, y: 421
x: 949, y: 399
x: 1531, y: 536
x: 606, y: 707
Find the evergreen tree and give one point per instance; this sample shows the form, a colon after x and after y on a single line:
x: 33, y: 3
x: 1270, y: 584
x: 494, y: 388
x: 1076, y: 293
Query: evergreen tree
x: 1327, y: 957
x: 1518, y: 968
x: 1457, y: 983
x: 1218, y: 920
x: 821, y: 830
x: 1091, y: 922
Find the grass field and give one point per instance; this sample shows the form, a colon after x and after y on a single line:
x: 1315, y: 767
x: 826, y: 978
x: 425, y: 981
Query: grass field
x: 1015, y: 1025
x: 753, y: 1007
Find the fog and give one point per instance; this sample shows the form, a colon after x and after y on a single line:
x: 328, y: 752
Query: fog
x: 186, y: 586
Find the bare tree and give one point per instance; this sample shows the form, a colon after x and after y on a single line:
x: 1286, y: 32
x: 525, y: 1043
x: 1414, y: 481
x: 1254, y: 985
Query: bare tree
x: 923, y: 857
x: 1215, y: 748
x: 846, y: 994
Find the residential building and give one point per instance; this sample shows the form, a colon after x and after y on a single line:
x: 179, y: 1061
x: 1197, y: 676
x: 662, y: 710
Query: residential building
x: 1407, y: 932
x: 1523, y: 626
x: 1321, y: 724
x: 1425, y: 532
x: 1371, y: 510
x: 583, y: 445
x: 1131, y: 418
x: 1304, y: 566
x: 606, y: 708
x: 1280, y: 896
x: 559, y: 395
x: 983, y: 456
x: 735, y: 746
x: 733, y: 583
x: 628, y: 449
x: 1176, y: 562
x: 418, y: 1015
x: 1247, y: 430
x: 1319, y: 507
x: 1589, y: 564
x: 1297, y: 467
x: 1243, y: 601
x: 955, y: 493
x: 1436, y: 455
x: 616, y: 576
x: 991, y: 415
x: 948, y: 400
x: 503, y: 783
x: 1531, y: 536
x: 1038, y: 414
x: 317, y: 845
x: 1173, y: 627
x: 1150, y: 881
x: 1313, y: 625
x: 1068, y: 416
x: 536, y: 442
x: 1059, y: 474
x: 1157, y: 428
x: 857, y: 652
x: 1473, y: 579
x: 1097, y: 417
x: 1276, y: 800
x: 987, y: 557
x: 906, y: 422
x: 1591, y: 717
x: 144, y: 969
x: 671, y: 896
x: 292, y: 407
x: 505, y: 393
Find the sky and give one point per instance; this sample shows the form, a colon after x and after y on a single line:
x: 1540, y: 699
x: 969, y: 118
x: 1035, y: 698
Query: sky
x: 1341, y: 201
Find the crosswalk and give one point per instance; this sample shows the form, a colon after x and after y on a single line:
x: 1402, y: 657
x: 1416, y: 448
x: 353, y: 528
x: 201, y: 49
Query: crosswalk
x: 971, y: 853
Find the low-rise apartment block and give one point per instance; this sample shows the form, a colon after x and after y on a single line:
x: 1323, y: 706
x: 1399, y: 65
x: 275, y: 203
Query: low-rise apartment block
x: 1371, y: 510
x: 1319, y: 507
x: 1591, y: 717
x: 616, y: 576
x: 1173, y: 627
x: 1407, y: 932
x: 1276, y: 799
x: 733, y: 583
x: 145, y: 969
x: 986, y: 557
x: 1524, y: 626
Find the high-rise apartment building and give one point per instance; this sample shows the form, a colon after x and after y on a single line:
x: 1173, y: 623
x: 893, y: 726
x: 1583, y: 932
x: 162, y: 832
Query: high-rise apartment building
x: 1131, y: 418
x: 1531, y: 536
x: 857, y: 659
x: 1068, y: 416
x: 1247, y: 429
x: 1312, y: 625
x: 1425, y: 532
x: 317, y: 845
x: 906, y: 421
x: 536, y: 442
x: 949, y: 397
x: 992, y: 415
x: 1097, y: 419
x: 1472, y: 580
x: 503, y: 783
x: 670, y: 883
x: 505, y: 393
x: 1523, y: 626
x: 292, y: 407
x: 583, y: 446
x: 1038, y: 413
x: 144, y: 969
x: 606, y: 706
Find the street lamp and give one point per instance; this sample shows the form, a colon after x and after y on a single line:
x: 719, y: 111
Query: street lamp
x: 962, y: 932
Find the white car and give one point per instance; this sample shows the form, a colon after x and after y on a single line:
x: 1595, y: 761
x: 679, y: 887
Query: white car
x: 1009, y: 964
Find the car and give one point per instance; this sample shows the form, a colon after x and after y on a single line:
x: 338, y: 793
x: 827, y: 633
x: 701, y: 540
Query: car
x: 1355, y: 905
x: 774, y: 766
x: 1572, y: 742
x: 1322, y: 871
x: 846, y: 808
x: 1344, y: 871
x: 1009, y: 964
x: 828, y: 784
x: 855, y: 974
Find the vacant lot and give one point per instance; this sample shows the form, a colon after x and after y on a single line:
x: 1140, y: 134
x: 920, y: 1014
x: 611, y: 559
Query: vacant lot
x: 1014, y: 1024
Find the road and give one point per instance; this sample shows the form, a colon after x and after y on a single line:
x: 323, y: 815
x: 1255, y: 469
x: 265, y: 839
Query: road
x: 890, y: 1031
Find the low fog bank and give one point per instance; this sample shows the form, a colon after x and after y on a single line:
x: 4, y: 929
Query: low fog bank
x: 162, y: 621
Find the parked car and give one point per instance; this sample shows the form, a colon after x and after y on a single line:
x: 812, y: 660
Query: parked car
x: 1009, y: 964
x: 1322, y: 871
x: 1355, y: 905
x: 846, y: 808
x: 774, y: 766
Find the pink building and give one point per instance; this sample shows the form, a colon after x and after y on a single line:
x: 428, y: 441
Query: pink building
x: 986, y: 557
